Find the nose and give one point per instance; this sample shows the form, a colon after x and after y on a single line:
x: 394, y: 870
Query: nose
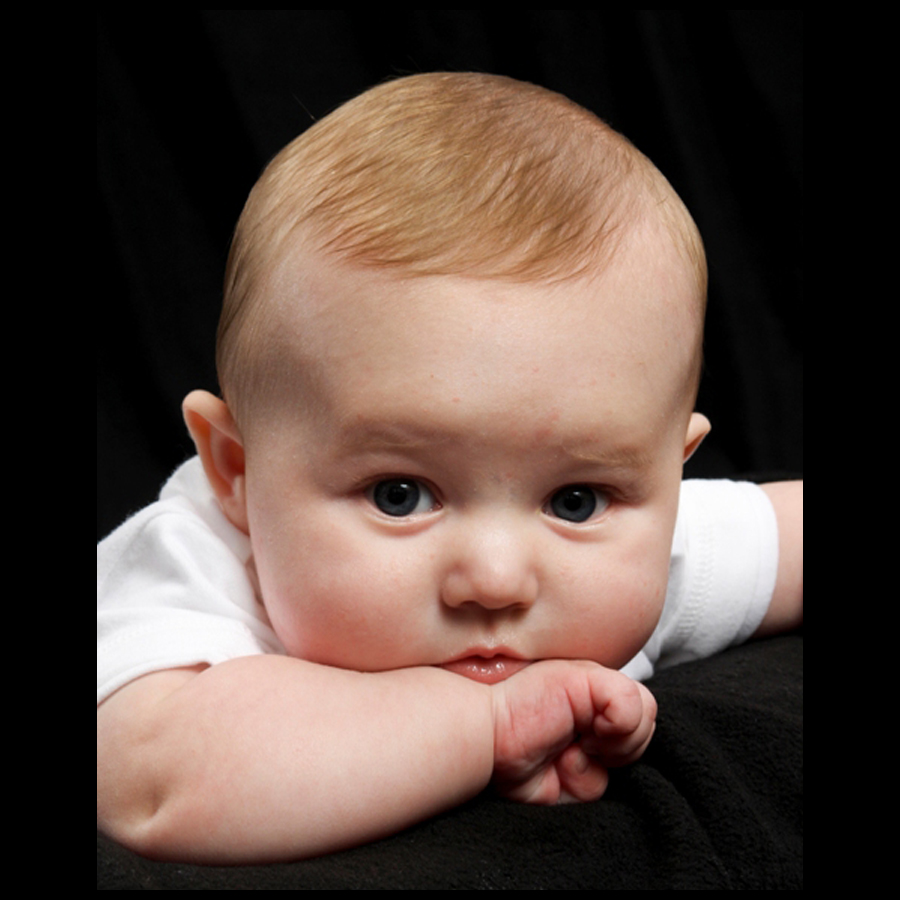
x: 491, y: 565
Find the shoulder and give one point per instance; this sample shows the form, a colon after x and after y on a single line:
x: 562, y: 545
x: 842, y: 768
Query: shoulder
x: 729, y: 519
x: 185, y: 515
x: 723, y: 568
x: 173, y: 588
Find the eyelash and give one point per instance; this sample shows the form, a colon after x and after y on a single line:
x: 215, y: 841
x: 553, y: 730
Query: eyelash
x: 402, y: 497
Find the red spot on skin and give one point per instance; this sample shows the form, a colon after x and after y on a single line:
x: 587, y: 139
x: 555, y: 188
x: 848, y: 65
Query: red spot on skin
x: 541, y: 434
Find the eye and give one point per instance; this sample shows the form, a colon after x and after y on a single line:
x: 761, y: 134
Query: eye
x: 402, y: 497
x: 576, y: 503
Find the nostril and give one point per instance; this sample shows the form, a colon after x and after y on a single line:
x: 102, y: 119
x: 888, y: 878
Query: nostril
x: 496, y: 592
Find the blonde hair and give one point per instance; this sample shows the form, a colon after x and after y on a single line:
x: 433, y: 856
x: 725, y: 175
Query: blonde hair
x: 444, y: 174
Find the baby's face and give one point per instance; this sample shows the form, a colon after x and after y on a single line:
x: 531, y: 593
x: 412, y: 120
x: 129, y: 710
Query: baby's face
x: 467, y: 473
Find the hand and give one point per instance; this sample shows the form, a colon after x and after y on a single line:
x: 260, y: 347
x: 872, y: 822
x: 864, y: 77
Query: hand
x: 559, y: 725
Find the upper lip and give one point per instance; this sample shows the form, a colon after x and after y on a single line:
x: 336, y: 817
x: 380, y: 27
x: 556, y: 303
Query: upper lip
x: 487, y: 653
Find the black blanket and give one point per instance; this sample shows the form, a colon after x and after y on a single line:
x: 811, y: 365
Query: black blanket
x: 715, y: 803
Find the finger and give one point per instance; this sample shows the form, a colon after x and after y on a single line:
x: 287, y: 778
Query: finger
x: 623, y: 730
x: 621, y: 703
x: 581, y: 777
x: 542, y: 789
x: 620, y: 750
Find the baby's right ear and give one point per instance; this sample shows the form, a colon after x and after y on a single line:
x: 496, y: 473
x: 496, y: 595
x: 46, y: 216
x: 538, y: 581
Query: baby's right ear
x: 221, y: 450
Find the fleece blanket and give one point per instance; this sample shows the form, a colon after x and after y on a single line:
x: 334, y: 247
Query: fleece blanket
x: 715, y: 804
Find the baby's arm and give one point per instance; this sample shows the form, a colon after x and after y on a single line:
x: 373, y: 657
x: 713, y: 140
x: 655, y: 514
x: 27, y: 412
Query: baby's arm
x: 268, y: 757
x: 786, y: 607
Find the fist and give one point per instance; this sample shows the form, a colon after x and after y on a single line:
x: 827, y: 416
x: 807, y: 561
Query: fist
x: 559, y: 725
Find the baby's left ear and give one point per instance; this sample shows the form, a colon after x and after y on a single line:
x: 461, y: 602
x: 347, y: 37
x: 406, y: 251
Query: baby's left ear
x: 698, y: 428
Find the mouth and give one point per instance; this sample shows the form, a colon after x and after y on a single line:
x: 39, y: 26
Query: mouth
x: 486, y: 669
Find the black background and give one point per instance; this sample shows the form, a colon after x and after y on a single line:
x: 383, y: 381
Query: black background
x: 192, y: 106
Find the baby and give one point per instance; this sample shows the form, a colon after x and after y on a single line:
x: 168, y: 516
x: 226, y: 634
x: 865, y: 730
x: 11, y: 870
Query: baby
x: 436, y: 530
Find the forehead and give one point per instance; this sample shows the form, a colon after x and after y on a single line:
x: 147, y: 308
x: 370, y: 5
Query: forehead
x: 352, y: 343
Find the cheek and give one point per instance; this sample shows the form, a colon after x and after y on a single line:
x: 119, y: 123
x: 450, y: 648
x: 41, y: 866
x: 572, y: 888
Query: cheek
x: 621, y: 592
x: 307, y: 590
x: 336, y: 599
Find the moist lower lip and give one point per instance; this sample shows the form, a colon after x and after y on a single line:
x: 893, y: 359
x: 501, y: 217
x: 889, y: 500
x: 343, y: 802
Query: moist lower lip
x: 487, y: 670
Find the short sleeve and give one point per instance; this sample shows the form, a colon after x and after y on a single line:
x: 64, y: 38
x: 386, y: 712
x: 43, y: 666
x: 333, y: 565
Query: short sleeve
x: 173, y: 589
x: 721, y: 575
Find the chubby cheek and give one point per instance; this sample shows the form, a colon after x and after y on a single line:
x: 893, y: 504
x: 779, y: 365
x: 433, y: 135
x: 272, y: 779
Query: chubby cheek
x: 333, y: 604
x: 307, y: 624
x: 307, y: 604
x: 620, y: 603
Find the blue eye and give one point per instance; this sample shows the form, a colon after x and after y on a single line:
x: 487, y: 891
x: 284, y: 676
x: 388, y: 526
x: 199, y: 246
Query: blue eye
x: 402, y: 497
x: 576, y: 503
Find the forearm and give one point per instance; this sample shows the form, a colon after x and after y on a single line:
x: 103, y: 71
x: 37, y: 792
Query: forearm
x: 786, y: 607
x: 274, y: 758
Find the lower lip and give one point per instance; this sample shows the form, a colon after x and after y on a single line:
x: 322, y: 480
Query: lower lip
x: 487, y: 670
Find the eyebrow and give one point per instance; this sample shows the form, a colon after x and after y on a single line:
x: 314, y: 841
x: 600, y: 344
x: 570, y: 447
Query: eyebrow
x: 626, y: 457
x: 373, y: 436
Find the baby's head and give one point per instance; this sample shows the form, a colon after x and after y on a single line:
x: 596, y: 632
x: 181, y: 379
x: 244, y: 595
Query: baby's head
x: 459, y: 354
x: 441, y: 174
